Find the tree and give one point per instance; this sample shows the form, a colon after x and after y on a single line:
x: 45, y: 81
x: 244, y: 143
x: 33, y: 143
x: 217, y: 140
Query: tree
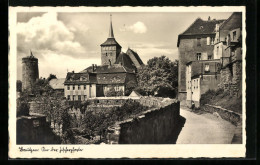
x: 159, y: 77
x: 51, y: 76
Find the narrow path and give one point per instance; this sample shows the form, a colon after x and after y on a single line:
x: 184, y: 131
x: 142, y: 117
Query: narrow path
x: 205, y: 129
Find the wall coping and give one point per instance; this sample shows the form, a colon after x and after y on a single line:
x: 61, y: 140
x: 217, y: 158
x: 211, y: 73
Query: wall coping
x: 223, y: 109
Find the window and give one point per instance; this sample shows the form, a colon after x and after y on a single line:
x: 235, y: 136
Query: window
x: 209, y: 57
x: 79, y: 97
x: 212, y: 40
x: 198, y: 42
x: 90, y: 85
x: 74, y: 97
x: 84, y: 86
x: 68, y: 87
x: 73, y: 87
x: 85, y: 97
x: 68, y: 97
x: 206, y: 67
x: 198, y: 56
x: 79, y: 87
x: 197, y: 83
x: 234, y: 35
x: 208, y: 40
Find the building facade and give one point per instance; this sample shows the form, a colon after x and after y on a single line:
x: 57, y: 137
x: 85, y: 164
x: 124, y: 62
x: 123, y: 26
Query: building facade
x: 201, y: 76
x: 195, y: 44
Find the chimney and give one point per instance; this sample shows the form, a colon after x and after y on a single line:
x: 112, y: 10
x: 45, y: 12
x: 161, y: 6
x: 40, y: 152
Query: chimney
x: 73, y: 71
x: 93, y: 68
x: 209, y: 18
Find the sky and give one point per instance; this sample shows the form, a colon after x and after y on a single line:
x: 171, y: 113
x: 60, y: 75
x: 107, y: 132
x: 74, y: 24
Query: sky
x: 65, y: 42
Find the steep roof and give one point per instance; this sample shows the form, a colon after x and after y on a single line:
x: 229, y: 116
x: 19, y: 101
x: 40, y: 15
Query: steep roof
x: 114, y: 78
x: 199, y: 27
x: 133, y: 54
x: 202, y: 27
x: 233, y: 22
x: 80, y: 78
x: 115, y: 68
x: 57, y: 83
x: 125, y: 60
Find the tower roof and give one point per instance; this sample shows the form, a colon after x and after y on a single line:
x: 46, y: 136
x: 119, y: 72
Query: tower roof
x: 111, y: 39
x: 111, y: 33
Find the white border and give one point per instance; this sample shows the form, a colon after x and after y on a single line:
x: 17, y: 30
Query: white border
x: 119, y: 151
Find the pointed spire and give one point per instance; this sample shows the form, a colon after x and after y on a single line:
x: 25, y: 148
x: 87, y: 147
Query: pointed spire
x: 111, y: 34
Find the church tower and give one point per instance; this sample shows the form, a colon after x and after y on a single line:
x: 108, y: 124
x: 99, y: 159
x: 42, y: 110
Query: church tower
x: 110, y: 49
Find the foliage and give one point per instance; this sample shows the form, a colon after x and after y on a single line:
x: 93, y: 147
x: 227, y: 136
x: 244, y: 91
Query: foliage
x: 50, y: 103
x: 159, y: 75
x: 222, y: 98
x: 112, y: 92
x: 51, y: 76
x: 96, y: 124
x: 130, y: 86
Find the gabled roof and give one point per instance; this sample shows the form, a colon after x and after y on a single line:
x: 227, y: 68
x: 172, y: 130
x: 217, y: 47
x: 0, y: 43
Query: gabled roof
x: 57, y: 83
x: 125, y: 60
x: 200, y: 27
x: 114, y: 78
x: 133, y: 54
x: 115, y: 68
x: 135, y: 94
x: 80, y: 78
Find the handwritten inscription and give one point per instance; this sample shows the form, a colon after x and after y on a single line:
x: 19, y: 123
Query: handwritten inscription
x: 51, y: 149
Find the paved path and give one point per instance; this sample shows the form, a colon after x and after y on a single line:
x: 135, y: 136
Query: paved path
x: 205, y: 129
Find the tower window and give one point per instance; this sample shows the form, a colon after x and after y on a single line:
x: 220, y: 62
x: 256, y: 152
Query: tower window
x: 209, y: 57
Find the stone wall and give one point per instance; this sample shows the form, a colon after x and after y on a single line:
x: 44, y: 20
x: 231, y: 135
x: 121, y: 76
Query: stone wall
x: 35, y: 130
x: 233, y: 117
x: 157, y: 125
x: 231, y: 78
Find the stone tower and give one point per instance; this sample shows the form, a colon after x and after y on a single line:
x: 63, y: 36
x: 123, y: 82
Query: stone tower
x: 110, y: 49
x: 30, y: 71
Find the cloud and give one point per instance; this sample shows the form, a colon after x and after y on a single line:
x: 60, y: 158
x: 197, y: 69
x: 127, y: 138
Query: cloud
x: 147, y: 51
x: 46, y: 32
x: 138, y: 27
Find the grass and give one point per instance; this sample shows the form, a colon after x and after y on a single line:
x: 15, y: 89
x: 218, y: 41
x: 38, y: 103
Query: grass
x: 223, y: 99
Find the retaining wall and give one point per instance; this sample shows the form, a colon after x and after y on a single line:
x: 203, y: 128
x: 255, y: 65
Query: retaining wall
x: 155, y: 126
x: 233, y: 117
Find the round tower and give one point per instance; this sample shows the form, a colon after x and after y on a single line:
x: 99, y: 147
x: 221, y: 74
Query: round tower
x: 30, y: 71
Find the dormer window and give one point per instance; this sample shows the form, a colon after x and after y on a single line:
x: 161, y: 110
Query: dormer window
x: 201, y: 27
x: 198, y: 56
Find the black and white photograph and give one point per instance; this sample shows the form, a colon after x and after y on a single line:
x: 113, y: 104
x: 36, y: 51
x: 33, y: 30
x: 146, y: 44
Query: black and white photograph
x: 123, y: 80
